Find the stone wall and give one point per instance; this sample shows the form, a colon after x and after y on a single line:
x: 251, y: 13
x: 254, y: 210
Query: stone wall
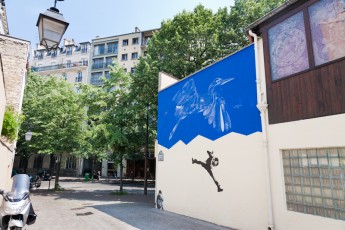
x: 14, y: 54
x: 13, y: 61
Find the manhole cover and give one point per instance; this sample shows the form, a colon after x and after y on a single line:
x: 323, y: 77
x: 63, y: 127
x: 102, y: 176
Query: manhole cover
x: 84, y: 214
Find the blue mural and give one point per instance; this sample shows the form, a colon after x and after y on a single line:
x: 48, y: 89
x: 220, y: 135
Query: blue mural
x: 213, y: 102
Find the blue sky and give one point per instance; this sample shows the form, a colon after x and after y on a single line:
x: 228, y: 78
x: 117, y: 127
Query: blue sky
x: 103, y: 18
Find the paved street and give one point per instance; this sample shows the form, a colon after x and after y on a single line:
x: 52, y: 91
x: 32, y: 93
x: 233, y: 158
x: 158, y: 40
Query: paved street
x: 87, y: 205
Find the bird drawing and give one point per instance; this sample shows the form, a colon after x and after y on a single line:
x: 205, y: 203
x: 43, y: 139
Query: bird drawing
x: 211, y: 105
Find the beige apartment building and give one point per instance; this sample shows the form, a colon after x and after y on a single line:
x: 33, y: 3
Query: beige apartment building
x: 125, y: 49
x: 70, y: 62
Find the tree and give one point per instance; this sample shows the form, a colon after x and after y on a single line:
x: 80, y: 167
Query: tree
x: 54, y: 114
x: 189, y: 42
x: 116, y: 122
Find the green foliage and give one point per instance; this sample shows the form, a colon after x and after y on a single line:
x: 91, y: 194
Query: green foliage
x: 55, y: 115
x: 187, y: 43
x: 11, y: 123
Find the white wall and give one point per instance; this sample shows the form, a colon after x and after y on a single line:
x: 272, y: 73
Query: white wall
x: 189, y: 190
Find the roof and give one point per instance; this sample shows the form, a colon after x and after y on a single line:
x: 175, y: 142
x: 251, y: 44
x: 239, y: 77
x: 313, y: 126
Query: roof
x: 263, y: 20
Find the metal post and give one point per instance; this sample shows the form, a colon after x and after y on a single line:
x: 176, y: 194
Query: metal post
x: 146, y: 152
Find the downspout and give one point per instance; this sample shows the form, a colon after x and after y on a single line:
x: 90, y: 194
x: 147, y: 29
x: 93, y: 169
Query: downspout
x: 262, y: 106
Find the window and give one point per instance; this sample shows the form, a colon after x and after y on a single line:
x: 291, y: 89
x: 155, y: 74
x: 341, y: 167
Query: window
x: 135, y: 55
x: 125, y: 42
x: 125, y: 70
x: 96, y: 78
x: 53, y: 53
x: 315, y: 181
x: 327, y: 25
x: 64, y: 76
x: 98, y: 63
x: 288, y: 47
x: 40, y: 55
x: 68, y: 65
x: 99, y: 49
x: 135, y: 41
x: 84, y: 48
x: 109, y: 60
x: 112, y: 47
x: 124, y: 57
x: 132, y: 70
x: 147, y: 39
x: 84, y: 62
x: 69, y: 50
x: 79, y: 78
x: 38, y: 162
x: 107, y: 74
x: 71, y: 163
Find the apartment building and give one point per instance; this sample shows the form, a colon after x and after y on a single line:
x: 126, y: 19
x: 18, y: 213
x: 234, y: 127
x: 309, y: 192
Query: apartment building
x: 125, y: 49
x: 69, y: 62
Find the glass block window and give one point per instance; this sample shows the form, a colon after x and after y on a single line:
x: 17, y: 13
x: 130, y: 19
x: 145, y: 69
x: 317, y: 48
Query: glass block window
x: 327, y: 25
x: 288, y: 47
x: 315, y: 181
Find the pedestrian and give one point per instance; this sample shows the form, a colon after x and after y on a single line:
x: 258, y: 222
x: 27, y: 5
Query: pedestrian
x: 160, y: 200
x: 115, y: 174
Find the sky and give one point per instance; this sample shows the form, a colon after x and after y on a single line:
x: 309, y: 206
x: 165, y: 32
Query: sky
x: 103, y: 18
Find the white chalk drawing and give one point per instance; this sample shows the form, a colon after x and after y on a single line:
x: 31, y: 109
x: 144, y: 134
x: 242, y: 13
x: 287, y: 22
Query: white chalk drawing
x: 211, y: 105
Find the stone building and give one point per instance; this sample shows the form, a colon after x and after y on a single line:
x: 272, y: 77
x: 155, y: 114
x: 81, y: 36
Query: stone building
x: 14, y: 54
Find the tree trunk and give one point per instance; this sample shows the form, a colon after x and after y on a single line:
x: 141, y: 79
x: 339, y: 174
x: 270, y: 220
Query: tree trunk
x: 57, y: 176
x: 121, y: 173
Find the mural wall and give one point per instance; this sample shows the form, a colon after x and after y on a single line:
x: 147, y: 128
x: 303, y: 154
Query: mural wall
x: 209, y: 147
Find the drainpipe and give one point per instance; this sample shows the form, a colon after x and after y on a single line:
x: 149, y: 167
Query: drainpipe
x: 262, y: 106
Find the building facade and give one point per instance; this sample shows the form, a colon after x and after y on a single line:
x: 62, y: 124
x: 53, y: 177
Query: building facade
x: 290, y: 172
x: 70, y: 62
x: 14, y: 55
x: 300, y: 57
x: 125, y: 49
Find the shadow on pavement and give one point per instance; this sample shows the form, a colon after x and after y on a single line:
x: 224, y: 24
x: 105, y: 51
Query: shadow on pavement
x: 146, y: 217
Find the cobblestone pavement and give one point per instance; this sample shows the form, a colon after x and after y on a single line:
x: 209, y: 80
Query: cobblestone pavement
x: 90, y: 205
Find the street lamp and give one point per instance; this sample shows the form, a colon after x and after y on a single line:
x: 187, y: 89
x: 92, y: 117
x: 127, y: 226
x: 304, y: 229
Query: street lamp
x: 28, y: 135
x: 51, y: 27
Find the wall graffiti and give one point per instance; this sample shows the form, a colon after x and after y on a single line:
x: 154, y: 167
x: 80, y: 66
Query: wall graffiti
x: 208, y: 164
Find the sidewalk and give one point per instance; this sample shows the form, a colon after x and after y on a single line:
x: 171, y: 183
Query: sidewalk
x: 85, y: 205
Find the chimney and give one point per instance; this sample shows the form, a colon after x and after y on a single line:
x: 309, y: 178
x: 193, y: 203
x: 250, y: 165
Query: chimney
x: 137, y: 29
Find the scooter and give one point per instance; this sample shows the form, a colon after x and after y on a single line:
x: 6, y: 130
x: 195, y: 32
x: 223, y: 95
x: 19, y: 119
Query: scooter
x: 16, y: 209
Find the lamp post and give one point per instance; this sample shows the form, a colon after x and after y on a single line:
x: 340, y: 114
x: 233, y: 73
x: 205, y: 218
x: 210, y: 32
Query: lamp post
x: 28, y: 135
x: 51, y: 27
x: 146, y: 152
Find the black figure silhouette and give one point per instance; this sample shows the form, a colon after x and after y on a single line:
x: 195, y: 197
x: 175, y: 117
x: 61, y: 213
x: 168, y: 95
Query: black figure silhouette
x: 210, y: 162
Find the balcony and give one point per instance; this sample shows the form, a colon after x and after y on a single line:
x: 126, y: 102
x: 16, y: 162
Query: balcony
x: 101, y: 65
x: 59, y: 66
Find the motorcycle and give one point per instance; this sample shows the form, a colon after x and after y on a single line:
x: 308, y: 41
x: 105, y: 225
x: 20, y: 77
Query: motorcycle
x: 16, y: 209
